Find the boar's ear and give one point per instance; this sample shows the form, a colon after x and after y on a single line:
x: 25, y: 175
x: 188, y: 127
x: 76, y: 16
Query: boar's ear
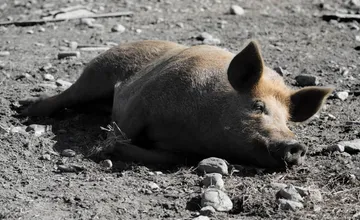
x: 306, y: 102
x: 246, y: 68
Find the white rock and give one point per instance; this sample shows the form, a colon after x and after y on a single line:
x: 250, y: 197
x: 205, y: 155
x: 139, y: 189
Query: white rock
x: 73, y: 45
x: 153, y: 186
x: 290, y: 193
x: 48, y: 77
x: 45, y: 157
x: 307, y: 80
x: 342, y: 95
x: 290, y: 205
x: 212, y: 41
x: 217, y: 199
x: 236, y: 10
x: 63, y: 83
x: 87, y: 21
x: 41, y: 29
x: 213, y: 165
x: 29, y: 31
x: 352, y: 146
x: 38, y: 129
x: 107, y: 164
x: 213, y: 180
x: 4, y: 130
x: 118, y: 28
x: 18, y: 129
x: 207, y: 211
x: 68, y: 153
x: 4, y: 53
x: 207, y: 38
x: 74, y: 14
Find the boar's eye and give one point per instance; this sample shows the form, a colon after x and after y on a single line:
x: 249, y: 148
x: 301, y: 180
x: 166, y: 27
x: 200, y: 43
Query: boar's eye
x: 258, y: 107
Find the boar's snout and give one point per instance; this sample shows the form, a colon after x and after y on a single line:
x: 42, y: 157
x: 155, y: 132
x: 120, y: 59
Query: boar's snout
x: 291, y: 152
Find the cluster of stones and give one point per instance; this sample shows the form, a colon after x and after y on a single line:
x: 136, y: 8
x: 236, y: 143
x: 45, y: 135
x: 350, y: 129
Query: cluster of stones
x: 214, y: 197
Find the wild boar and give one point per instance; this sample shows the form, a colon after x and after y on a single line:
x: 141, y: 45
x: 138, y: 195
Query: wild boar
x: 178, y: 103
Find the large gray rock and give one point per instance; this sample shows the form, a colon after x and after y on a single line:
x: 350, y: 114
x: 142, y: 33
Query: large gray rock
x: 217, y: 199
x: 213, y: 165
x: 289, y: 193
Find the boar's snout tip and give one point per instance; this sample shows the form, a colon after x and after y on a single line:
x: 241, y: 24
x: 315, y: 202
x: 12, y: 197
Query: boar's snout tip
x: 294, y: 153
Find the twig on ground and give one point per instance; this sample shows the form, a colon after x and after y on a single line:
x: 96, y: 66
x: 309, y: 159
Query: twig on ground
x: 43, y: 21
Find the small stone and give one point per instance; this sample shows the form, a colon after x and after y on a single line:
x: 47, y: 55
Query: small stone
x: 342, y: 95
x: 180, y: 25
x: 213, y: 180
x: 201, y: 217
x: 153, y: 186
x: 68, y: 153
x: 48, y: 77
x: 213, y: 165
x: 48, y: 85
x: 39, y: 44
x: 306, y: 80
x: 63, y: 83
x: 336, y: 147
x: 351, y: 147
x: 107, y: 164
x: 207, y: 211
x: 290, y: 205
x: 70, y: 168
x: 45, y: 157
x: 73, y: 45
x: 355, y: 3
x: 118, y: 28
x: 38, y: 129
x: 46, y: 67
x: 158, y: 173
x: 357, y: 37
x: 29, y: 31
x: 87, y: 21
x: 65, y: 54
x: 77, y: 13
x: 138, y: 31
x: 98, y: 26
x: 217, y: 199
x: 236, y: 10
x: 289, y: 193
x: 41, y: 29
x: 332, y: 117
x: 207, y: 38
x: 18, y: 129
x: 4, y: 53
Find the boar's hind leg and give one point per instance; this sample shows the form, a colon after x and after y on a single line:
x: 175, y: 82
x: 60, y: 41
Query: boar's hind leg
x: 94, y: 88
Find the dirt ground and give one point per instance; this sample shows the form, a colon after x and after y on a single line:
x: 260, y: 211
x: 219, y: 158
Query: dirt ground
x: 292, y: 35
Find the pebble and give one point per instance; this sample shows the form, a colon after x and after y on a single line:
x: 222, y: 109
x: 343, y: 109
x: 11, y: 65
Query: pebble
x: 138, y: 31
x: 289, y: 193
x: 41, y: 29
x: 87, y: 21
x: 65, y: 54
x: 118, y: 28
x: 207, y: 211
x: 48, y: 77
x: 98, y: 26
x: 4, y: 53
x: 213, y: 165
x: 48, y: 85
x: 18, y: 129
x: 39, y: 44
x: 69, y: 168
x: 290, y: 205
x: 37, y: 129
x: 236, y: 10
x: 281, y: 71
x: 351, y: 147
x: 3, y: 130
x: 68, y: 153
x: 73, y: 45
x: 45, y: 157
x: 107, y: 164
x: 29, y: 31
x: 201, y: 217
x: 63, y: 83
x: 153, y: 186
x: 213, y: 180
x: 217, y: 199
x: 307, y: 80
x: 207, y: 38
x: 46, y: 67
x: 342, y: 95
